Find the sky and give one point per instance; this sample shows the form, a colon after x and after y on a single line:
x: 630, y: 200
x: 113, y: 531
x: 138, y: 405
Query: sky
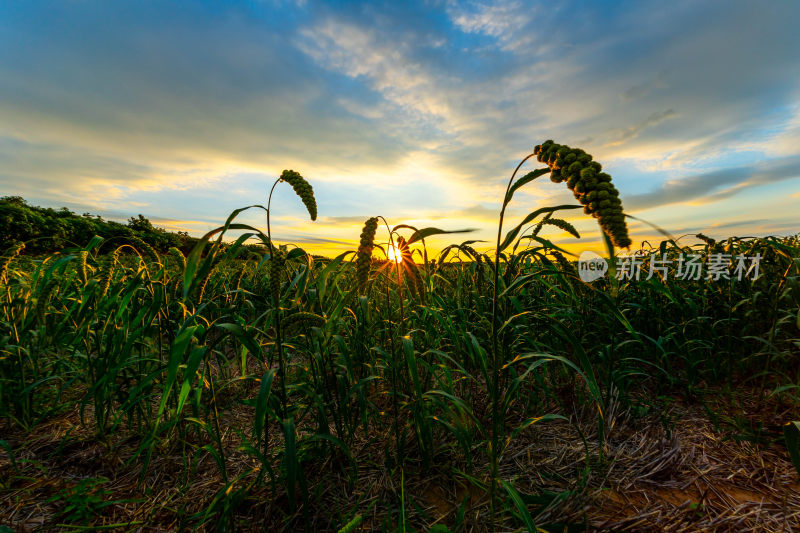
x: 415, y: 111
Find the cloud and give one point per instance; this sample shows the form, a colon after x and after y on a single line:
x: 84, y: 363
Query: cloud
x: 415, y: 110
x: 643, y: 89
x: 194, y: 93
x: 631, y: 132
x: 502, y: 20
x: 716, y: 185
x: 308, y: 239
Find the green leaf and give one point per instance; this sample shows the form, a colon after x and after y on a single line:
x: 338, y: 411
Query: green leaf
x: 524, y: 180
x: 428, y: 232
x: 522, y: 509
x: 191, y: 367
x: 290, y: 460
x: 511, y: 235
x: 244, y: 337
x: 193, y: 261
x: 352, y: 524
x: 262, y: 403
x: 547, y: 244
x: 7, y: 447
x: 94, y: 243
x: 294, y: 253
x: 535, y: 420
x: 177, y: 351
x: 663, y: 232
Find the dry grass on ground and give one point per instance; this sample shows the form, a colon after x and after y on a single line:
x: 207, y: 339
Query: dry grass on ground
x: 691, y: 478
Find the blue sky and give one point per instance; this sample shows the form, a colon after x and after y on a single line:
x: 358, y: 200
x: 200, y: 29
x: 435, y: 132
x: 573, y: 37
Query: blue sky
x: 417, y: 111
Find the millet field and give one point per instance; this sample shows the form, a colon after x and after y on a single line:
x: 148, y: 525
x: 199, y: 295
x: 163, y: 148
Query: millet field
x: 248, y: 386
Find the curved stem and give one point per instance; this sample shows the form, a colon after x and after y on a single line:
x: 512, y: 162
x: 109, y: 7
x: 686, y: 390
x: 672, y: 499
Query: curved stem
x: 269, y: 202
x: 495, y: 384
x: 277, y: 308
x: 399, y: 444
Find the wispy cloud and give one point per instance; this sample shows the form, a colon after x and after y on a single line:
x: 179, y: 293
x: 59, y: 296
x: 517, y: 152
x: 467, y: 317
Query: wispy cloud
x: 503, y: 20
x: 631, y: 132
x: 717, y: 185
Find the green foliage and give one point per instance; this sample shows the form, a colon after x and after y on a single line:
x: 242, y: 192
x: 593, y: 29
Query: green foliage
x: 46, y: 230
x: 352, y: 524
x: 444, y: 364
x: 83, y: 501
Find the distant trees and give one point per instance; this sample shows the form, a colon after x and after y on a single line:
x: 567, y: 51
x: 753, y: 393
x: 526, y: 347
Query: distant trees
x: 140, y: 224
x: 44, y: 229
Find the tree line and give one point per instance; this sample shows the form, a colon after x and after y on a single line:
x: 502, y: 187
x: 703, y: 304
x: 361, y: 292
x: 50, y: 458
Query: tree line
x: 46, y: 230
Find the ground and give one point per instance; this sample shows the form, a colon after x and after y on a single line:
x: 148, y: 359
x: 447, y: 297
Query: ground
x: 683, y: 469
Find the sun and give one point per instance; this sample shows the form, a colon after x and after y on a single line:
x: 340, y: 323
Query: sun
x: 395, y: 254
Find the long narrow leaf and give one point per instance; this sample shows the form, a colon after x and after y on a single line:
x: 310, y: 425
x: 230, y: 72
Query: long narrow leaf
x: 512, y: 235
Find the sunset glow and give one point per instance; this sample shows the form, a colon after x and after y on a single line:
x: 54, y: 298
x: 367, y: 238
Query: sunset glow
x: 418, y: 112
x: 394, y: 254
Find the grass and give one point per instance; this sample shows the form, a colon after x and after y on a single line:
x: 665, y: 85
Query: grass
x: 233, y: 389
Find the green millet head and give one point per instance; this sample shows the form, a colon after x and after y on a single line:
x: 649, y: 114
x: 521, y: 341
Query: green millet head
x: 108, y: 274
x: 540, y: 149
x: 83, y: 256
x: 572, y: 181
x: 5, y: 261
x: 303, y: 319
x: 366, y: 245
x: 142, y: 246
x: 591, y: 187
x: 179, y: 257
x: 43, y: 296
x: 303, y: 189
x: 275, y: 270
